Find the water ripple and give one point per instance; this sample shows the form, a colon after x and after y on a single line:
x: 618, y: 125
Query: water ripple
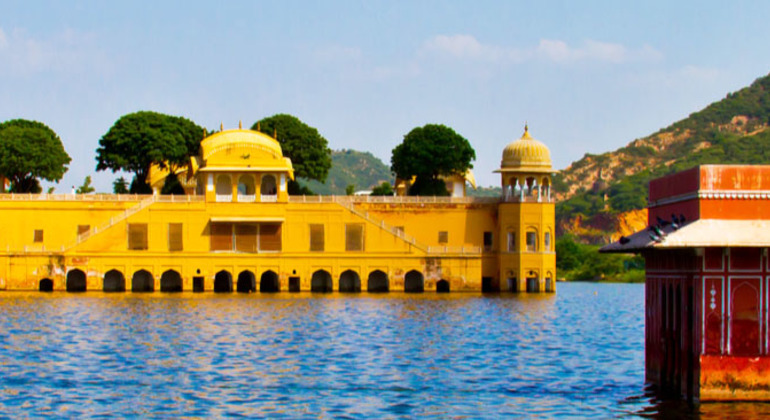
x: 573, y: 355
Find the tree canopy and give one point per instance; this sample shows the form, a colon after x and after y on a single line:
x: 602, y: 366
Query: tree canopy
x: 30, y: 150
x: 303, y: 144
x: 137, y: 141
x: 429, y: 152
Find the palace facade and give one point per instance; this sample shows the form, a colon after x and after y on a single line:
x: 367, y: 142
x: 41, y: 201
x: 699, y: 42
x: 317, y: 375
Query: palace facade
x: 238, y: 229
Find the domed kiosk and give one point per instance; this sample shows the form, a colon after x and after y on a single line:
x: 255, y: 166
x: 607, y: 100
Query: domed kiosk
x: 242, y: 166
x: 527, y: 217
x: 526, y: 169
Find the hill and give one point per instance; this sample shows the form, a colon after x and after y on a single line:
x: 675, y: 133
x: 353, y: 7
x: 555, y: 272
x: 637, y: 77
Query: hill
x: 351, y: 167
x: 598, y: 192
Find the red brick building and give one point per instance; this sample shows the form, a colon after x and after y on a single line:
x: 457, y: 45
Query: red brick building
x: 707, y: 327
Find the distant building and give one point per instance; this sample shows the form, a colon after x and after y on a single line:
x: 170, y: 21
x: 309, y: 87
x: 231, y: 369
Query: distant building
x: 707, y: 292
x: 237, y: 229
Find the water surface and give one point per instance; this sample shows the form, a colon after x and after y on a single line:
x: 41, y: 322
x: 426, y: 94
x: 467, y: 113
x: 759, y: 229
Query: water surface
x: 575, y: 354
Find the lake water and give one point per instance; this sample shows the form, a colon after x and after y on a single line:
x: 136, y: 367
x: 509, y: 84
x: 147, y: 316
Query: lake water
x: 576, y: 354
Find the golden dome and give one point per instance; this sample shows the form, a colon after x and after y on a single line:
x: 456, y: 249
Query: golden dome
x: 232, y: 139
x: 526, y: 152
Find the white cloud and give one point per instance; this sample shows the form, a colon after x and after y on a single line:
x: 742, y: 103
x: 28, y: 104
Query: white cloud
x: 467, y: 47
x: 67, y: 51
x: 560, y: 51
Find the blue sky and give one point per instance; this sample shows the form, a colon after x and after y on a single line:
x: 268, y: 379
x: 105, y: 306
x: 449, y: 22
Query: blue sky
x: 588, y: 76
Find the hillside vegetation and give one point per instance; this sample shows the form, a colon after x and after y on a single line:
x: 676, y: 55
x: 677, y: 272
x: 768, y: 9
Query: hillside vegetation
x: 351, y: 167
x: 605, y: 187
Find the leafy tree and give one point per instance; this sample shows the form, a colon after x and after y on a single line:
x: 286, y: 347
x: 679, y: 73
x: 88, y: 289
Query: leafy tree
x: 307, y: 149
x: 120, y: 186
x: 429, y: 152
x: 383, y: 189
x: 350, y: 189
x: 137, y: 141
x: 172, y: 186
x: 86, y: 187
x: 30, y: 150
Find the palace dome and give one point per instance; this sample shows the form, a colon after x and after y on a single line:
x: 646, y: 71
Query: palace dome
x: 240, y: 139
x: 526, y: 152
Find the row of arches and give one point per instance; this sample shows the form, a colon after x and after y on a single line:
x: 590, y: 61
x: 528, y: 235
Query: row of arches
x: 246, y: 185
x: 246, y: 282
x: 528, y: 186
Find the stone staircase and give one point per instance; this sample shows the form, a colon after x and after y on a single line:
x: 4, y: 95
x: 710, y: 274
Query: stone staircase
x: 350, y: 206
x: 144, y: 203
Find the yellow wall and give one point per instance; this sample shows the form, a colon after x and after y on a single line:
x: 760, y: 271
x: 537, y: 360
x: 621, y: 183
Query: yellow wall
x: 461, y: 261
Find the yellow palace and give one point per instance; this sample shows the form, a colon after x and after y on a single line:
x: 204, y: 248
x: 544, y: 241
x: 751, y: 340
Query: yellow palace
x: 237, y: 229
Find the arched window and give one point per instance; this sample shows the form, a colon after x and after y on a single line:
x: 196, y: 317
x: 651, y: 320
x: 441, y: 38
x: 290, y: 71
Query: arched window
x: 246, y: 190
x: 546, y: 188
x: 547, y: 242
x: 224, y: 188
x: 531, y: 240
x: 511, y: 241
x: 268, y: 190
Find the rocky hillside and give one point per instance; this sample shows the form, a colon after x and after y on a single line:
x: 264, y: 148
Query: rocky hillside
x: 596, y: 192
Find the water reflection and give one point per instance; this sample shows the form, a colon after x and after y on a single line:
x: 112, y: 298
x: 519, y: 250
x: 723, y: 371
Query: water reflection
x: 575, y: 354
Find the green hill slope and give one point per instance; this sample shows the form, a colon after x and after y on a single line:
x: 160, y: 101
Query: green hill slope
x: 351, y: 167
x: 732, y: 130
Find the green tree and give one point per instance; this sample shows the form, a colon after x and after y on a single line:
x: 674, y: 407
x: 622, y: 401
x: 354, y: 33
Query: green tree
x: 86, y: 187
x: 308, y: 150
x: 350, y: 189
x: 29, y: 151
x: 120, y: 186
x: 383, y: 189
x: 137, y: 141
x: 429, y: 152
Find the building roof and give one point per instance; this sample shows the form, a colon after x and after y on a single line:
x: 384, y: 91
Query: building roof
x: 526, y: 154
x: 242, y: 150
x: 701, y: 233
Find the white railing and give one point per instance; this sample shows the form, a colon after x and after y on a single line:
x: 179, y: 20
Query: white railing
x: 390, y: 199
x: 454, y: 250
x: 270, y: 198
x: 224, y: 198
x: 72, y: 197
x: 246, y: 198
x: 180, y: 198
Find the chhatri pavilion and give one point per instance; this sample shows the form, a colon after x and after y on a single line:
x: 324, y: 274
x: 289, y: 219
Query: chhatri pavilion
x: 238, y: 229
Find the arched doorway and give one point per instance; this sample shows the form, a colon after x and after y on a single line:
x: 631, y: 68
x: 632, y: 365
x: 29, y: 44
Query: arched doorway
x: 321, y: 282
x: 224, y: 188
x: 268, y: 186
x: 414, y: 282
x: 268, y: 283
x: 533, y: 283
x: 171, y: 281
x: 142, y: 281
x: 549, y: 286
x: 350, y: 282
x: 247, y: 282
x: 76, y: 281
x: 377, y: 282
x: 442, y: 286
x: 46, y: 285
x: 246, y: 188
x: 114, y: 281
x: 223, y: 282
